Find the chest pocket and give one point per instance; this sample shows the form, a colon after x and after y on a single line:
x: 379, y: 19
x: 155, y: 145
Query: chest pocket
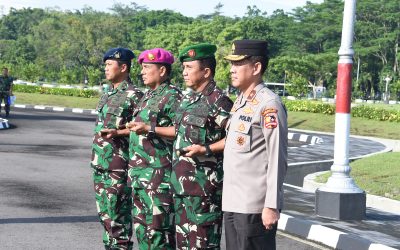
x: 241, y: 136
x: 154, y: 104
x: 116, y: 102
x: 102, y: 102
x: 195, y: 131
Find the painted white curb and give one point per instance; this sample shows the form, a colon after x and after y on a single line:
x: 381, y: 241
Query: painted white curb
x: 325, y: 235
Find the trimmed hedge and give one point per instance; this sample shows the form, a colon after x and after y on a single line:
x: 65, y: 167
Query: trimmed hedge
x: 56, y: 91
x: 309, y: 106
x: 363, y: 111
x: 372, y: 113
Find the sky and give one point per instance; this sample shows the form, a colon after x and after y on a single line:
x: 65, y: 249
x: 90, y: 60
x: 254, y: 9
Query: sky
x: 190, y: 8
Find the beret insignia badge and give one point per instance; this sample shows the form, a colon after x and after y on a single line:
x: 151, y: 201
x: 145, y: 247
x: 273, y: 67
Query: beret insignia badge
x: 150, y: 56
x: 233, y: 48
x: 191, y: 53
x: 117, y: 55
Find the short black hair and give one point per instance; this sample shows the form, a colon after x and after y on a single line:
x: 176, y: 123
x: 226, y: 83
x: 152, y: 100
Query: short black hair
x: 128, y: 64
x: 5, y: 68
x: 168, y: 68
x: 261, y: 59
x: 210, y: 63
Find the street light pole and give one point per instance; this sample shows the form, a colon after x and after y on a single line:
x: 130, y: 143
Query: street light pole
x: 340, y: 198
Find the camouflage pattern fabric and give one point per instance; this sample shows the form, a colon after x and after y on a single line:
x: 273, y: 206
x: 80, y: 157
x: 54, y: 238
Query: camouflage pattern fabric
x: 114, y: 208
x: 150, y: 158
x: 200, y: 119
x: 198, y: 221
x: 150, y: 170
x: 153, y: 219
x: 5, y: 87
x: 110, y: 165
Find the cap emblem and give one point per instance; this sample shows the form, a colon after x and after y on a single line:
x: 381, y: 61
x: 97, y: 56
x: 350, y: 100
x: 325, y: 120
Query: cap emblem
x: 233, y: 48
x: 117, y: 55
x: 191, y: 53
x: 150, y: 56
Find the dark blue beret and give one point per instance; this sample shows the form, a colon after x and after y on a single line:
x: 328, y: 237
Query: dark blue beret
x: 120, y: 54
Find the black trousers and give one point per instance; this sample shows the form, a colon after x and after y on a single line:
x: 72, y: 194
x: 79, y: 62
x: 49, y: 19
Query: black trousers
x: 247, y: 232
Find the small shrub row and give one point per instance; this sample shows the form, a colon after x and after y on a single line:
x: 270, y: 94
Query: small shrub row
x: 309, y: 106
x: 56, y: 91
x: 363, y: 111
x: 378, y: 114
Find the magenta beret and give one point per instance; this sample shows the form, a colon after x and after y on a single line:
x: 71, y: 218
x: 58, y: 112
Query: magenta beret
x: 156, y: 55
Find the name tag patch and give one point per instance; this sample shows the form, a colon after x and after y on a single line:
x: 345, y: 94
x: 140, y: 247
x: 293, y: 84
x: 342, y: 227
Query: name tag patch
x: 245, y: 118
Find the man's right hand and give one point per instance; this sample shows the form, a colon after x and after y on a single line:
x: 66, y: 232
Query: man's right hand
x: 108, y: 133
x: 140, y: 128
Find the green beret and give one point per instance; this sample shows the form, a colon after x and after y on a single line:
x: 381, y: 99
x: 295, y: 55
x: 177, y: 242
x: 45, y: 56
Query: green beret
x: 197, y: 52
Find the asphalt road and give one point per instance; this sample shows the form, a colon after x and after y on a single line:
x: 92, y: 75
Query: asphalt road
x: 46, y: 196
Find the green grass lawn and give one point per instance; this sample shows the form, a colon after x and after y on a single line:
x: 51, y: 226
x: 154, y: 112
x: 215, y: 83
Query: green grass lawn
x: 377, y: 174
x: 56, y: 100
x: 358, y: 126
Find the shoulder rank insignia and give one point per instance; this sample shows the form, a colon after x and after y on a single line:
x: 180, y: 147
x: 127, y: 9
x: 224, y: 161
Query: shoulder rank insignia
x: 270, y: 118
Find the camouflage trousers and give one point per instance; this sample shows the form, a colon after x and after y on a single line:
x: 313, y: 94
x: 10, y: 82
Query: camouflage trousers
x: 198, y: 222
x: 153, y: 219
x: 114, y: 208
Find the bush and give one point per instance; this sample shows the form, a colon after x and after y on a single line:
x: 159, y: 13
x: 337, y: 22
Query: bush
x: 309, y: 106
x: 56, y: 91
x: 363, y: 111
x: 379, y: 114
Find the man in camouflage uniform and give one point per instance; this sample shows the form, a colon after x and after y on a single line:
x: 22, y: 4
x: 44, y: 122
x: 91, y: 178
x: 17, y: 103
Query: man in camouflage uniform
x: 110, y: 150
x: 197, y: 173
x: 5, y: 90
x: 151, y: 155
